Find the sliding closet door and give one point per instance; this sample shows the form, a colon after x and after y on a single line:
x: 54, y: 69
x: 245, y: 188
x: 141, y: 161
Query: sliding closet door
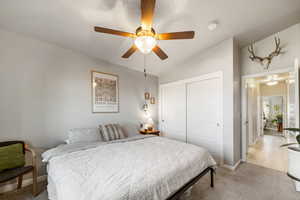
x: 204, y: 115
x: 173, y: 111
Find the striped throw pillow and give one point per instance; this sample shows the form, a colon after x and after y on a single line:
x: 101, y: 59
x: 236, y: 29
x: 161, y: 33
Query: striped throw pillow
x: 111, y: 132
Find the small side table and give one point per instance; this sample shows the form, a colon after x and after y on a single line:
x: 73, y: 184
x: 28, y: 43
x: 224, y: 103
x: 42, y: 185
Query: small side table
x: 153, y: 132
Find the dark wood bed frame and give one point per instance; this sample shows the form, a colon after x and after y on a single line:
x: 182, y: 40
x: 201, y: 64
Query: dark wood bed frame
x: 189, y: 184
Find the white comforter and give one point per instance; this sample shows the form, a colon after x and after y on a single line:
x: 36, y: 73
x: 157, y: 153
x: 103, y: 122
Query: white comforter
x: 137, y: 168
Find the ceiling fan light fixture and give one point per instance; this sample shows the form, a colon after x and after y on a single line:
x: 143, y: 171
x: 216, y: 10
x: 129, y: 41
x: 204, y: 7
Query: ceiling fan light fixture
x: 145, y: 43
x: 272, y: 83
x: 145, y: 37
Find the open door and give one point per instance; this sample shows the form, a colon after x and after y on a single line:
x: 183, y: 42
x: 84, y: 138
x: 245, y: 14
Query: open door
x: 260, y: 124
x: 293, y: 99
x: 253, y: 115
x: 245, y: 121
x: 297, y: 93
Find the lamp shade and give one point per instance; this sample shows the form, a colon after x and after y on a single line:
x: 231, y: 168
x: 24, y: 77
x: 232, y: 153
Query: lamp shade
x: 150, y: 121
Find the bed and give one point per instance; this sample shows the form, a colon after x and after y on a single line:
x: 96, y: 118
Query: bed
x: 136, y: 168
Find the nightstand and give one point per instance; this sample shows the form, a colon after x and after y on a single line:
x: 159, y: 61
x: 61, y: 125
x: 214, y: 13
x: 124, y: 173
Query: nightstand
x: 153, y: 132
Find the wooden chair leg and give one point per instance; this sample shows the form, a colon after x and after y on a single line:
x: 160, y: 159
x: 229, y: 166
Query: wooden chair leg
x: 20, y: 180
x: 34, y: 181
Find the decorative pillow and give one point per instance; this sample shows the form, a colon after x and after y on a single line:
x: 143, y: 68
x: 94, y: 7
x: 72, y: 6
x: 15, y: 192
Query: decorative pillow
x: 111, y: 132
x: 83, y: 135
x: 11, y: 156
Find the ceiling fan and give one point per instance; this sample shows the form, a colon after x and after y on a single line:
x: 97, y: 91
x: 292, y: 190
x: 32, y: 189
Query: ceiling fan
x: 145, y: 37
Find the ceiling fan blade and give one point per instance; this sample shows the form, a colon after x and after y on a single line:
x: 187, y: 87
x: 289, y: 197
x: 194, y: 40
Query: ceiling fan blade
x: 147, y: 8
x: 159, y: 52
x: 114, y: 32
x: 130, y: 51
x: 176, y: 35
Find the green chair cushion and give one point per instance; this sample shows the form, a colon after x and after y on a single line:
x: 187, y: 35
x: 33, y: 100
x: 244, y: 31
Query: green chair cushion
x: 11, y: 156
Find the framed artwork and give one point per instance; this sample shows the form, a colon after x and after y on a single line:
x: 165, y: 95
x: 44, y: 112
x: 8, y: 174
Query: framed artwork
x: 147, y: 95
x: 105, y: 92
x: 152, y: 100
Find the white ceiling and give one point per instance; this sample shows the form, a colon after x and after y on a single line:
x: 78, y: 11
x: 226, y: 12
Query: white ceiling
x: 69, y: 23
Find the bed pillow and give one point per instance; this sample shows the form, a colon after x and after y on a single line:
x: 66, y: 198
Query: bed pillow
x: 111, y: 132
x: 83, y: 135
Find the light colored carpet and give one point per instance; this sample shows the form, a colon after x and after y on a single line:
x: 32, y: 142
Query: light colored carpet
x: 248, y: 182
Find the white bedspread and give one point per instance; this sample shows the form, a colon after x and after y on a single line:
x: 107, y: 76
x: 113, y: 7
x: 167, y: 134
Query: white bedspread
x: 137, y: 168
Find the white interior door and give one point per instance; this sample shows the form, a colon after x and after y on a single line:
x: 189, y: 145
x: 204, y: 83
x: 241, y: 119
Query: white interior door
x: 297, y: 107
x: 252, y: 115
x: 291, y: 104
x: 204, y: 115
x: 173, y: 111
x: 293, y: 98
x: 245, y: 120
x: 260, y: 124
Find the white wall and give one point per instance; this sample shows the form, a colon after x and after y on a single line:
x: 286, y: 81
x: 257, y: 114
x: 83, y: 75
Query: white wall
x: 290, y: 41
x: 46, y: 90
x: 218, y: 58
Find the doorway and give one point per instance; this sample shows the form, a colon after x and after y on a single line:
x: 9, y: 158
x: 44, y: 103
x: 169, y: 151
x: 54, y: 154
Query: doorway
x: 269, y: 105
x: 273, y: 111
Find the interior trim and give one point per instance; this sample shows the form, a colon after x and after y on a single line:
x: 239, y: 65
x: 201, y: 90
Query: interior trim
x: 233, y: 168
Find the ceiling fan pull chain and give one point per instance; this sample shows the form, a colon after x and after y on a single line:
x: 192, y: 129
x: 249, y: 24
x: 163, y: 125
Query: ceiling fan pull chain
x: 145, y: 74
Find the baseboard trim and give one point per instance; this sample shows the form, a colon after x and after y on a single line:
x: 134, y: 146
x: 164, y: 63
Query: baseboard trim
x: 26, y: 182
x: 233, y: 168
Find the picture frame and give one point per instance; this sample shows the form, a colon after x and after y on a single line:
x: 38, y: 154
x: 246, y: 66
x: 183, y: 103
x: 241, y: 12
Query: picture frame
x: 105, y: 92
x: 147, y: 95
x: 152, y: 100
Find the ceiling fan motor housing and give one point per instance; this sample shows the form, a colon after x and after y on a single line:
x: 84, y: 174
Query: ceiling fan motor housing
x: 142, y: 32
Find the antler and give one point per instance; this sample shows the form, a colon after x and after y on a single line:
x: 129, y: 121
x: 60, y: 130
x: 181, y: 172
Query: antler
x: 277, y: 50
x: 253, y: 57
x: 269, y: 58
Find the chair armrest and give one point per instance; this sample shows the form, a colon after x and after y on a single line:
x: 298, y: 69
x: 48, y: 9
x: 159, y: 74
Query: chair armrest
x: 33, y: 154
x: 35, y: 169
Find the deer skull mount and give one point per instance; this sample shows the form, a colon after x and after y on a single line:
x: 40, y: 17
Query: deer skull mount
x: 268, y: 59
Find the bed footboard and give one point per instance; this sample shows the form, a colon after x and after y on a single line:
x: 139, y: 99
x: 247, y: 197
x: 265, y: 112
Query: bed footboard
x: 188, y: 185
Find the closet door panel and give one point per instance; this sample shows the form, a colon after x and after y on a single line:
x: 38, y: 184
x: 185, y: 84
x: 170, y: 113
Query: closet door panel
x: 204, y: 110
x: 173, y: 110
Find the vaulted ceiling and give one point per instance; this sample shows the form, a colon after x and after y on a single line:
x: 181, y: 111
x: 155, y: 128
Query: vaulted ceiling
x: 69, y: 23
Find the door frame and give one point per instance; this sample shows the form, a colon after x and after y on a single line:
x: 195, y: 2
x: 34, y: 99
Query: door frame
x: 217, y: 74
x: 244, y: 104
